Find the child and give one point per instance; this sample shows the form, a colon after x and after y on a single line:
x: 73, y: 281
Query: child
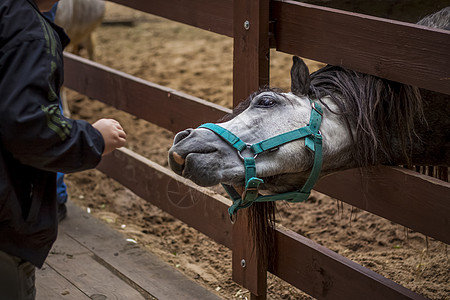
x: 36, y: 141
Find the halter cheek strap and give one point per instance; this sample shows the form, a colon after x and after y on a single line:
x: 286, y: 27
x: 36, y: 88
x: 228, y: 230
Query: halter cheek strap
x: 313, y: 141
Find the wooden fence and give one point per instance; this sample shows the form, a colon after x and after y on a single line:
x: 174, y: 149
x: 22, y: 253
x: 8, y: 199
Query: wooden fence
x: 398, y: 51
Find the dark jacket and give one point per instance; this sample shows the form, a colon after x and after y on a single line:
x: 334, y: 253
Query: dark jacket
x: 35, y: 139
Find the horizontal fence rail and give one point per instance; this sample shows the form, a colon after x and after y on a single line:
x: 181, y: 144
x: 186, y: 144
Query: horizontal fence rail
x: 165, y: 107
x: 398, y: 51
x: 211, y: 15
x: 397, y: 194
x: 324, y: 273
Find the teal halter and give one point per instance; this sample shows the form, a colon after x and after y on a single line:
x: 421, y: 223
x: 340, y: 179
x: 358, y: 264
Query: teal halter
x: 313, y: 141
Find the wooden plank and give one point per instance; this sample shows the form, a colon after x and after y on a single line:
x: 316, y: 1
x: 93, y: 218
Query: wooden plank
x: 403, y: 196
x: 325, y: 274
x: 249, y: 269
x: 51, y: 285
x: 251, y: 56
x: 394, y: 50
x: 130, y: 262
x: 212, y: 15
x: 199, y: 207
x: 251, y: 51
x: 160, y: 105
x: 78, y: 266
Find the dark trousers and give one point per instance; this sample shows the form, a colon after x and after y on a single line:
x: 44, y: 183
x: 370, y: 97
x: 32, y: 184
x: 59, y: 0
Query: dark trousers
x: 17, y: 278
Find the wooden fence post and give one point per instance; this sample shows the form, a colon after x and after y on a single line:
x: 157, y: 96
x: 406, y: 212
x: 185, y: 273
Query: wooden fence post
x: 250, y: 71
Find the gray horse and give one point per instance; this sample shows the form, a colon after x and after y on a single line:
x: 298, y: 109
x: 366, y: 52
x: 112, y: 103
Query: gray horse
x: 365, y: 120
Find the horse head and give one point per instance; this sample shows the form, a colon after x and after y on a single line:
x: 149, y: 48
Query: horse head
x: 204, y: 157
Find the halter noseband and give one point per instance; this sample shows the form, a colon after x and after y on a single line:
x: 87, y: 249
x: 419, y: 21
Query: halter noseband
x: 313, y: 141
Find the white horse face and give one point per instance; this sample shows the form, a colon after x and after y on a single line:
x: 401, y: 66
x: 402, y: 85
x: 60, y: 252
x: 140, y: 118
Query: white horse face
x: 205, y: 158
x: 209, y: 160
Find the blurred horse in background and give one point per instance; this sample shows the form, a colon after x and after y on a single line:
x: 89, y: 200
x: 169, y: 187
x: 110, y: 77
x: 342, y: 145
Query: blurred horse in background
x: 79, y: 18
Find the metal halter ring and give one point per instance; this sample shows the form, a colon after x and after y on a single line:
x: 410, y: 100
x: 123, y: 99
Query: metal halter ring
x: 249, y: 146
x: 313, y: 105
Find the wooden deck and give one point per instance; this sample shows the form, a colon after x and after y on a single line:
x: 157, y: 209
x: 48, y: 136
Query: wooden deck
x: 92, y: 261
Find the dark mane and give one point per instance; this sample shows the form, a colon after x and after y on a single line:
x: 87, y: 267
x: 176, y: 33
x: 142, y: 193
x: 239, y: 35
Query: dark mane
x: 382, y: 112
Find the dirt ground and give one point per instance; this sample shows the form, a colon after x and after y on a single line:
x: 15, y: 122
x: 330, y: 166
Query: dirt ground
x: 200, y: 63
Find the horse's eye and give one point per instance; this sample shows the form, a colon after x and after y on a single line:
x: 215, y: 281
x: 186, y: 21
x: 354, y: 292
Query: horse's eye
x: 266, y: 102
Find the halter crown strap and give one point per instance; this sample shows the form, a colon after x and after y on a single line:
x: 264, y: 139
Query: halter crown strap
x: 313, y: 141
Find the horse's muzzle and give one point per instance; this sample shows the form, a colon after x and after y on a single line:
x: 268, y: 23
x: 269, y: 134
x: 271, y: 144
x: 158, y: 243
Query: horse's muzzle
x: 176, y: 161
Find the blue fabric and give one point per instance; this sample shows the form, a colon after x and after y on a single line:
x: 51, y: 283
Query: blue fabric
x: 61, y: 188
x: 51, y: 13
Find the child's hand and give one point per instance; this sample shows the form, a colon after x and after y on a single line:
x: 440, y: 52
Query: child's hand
x: 112, y: 132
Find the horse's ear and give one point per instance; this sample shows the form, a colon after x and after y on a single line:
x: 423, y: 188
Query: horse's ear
x: 299, y: 77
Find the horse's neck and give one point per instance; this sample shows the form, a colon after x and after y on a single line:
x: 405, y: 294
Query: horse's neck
x: 338, y: 137
x: 429, y: 144
x: 431, y: 141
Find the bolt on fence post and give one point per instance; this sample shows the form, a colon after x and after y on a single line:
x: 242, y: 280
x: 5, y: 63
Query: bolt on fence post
x: 251, y: 55
x: 247, y: 25
x: 243, y: 263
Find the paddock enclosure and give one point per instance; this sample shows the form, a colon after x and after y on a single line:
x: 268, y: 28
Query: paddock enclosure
x: 391, y: 49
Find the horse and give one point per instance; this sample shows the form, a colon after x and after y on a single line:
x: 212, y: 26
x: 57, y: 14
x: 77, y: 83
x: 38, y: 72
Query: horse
x: 367, y: 121
x: 276, y: 145
x: 80, y: 18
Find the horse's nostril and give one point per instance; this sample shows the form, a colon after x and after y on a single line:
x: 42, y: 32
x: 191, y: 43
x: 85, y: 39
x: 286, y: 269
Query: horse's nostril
x: 177, y: 158
x: 181, y: 136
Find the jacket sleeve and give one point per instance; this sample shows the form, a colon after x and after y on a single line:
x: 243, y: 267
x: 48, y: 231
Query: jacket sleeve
x: 32, y: 128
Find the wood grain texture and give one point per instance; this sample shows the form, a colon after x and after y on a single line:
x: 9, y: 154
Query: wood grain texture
x: 325, y: 274
x: 160, y: 105
x: 51, y: 285
x: 250, y: 72
x: 131, y: 262
x: 394, y: 50
x: 79, y: 266
x: 211, y: 15
x: 403, y: 196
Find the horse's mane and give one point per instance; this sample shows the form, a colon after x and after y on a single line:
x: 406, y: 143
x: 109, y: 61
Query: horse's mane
x: 381, y: 113
x: 440, y: 19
